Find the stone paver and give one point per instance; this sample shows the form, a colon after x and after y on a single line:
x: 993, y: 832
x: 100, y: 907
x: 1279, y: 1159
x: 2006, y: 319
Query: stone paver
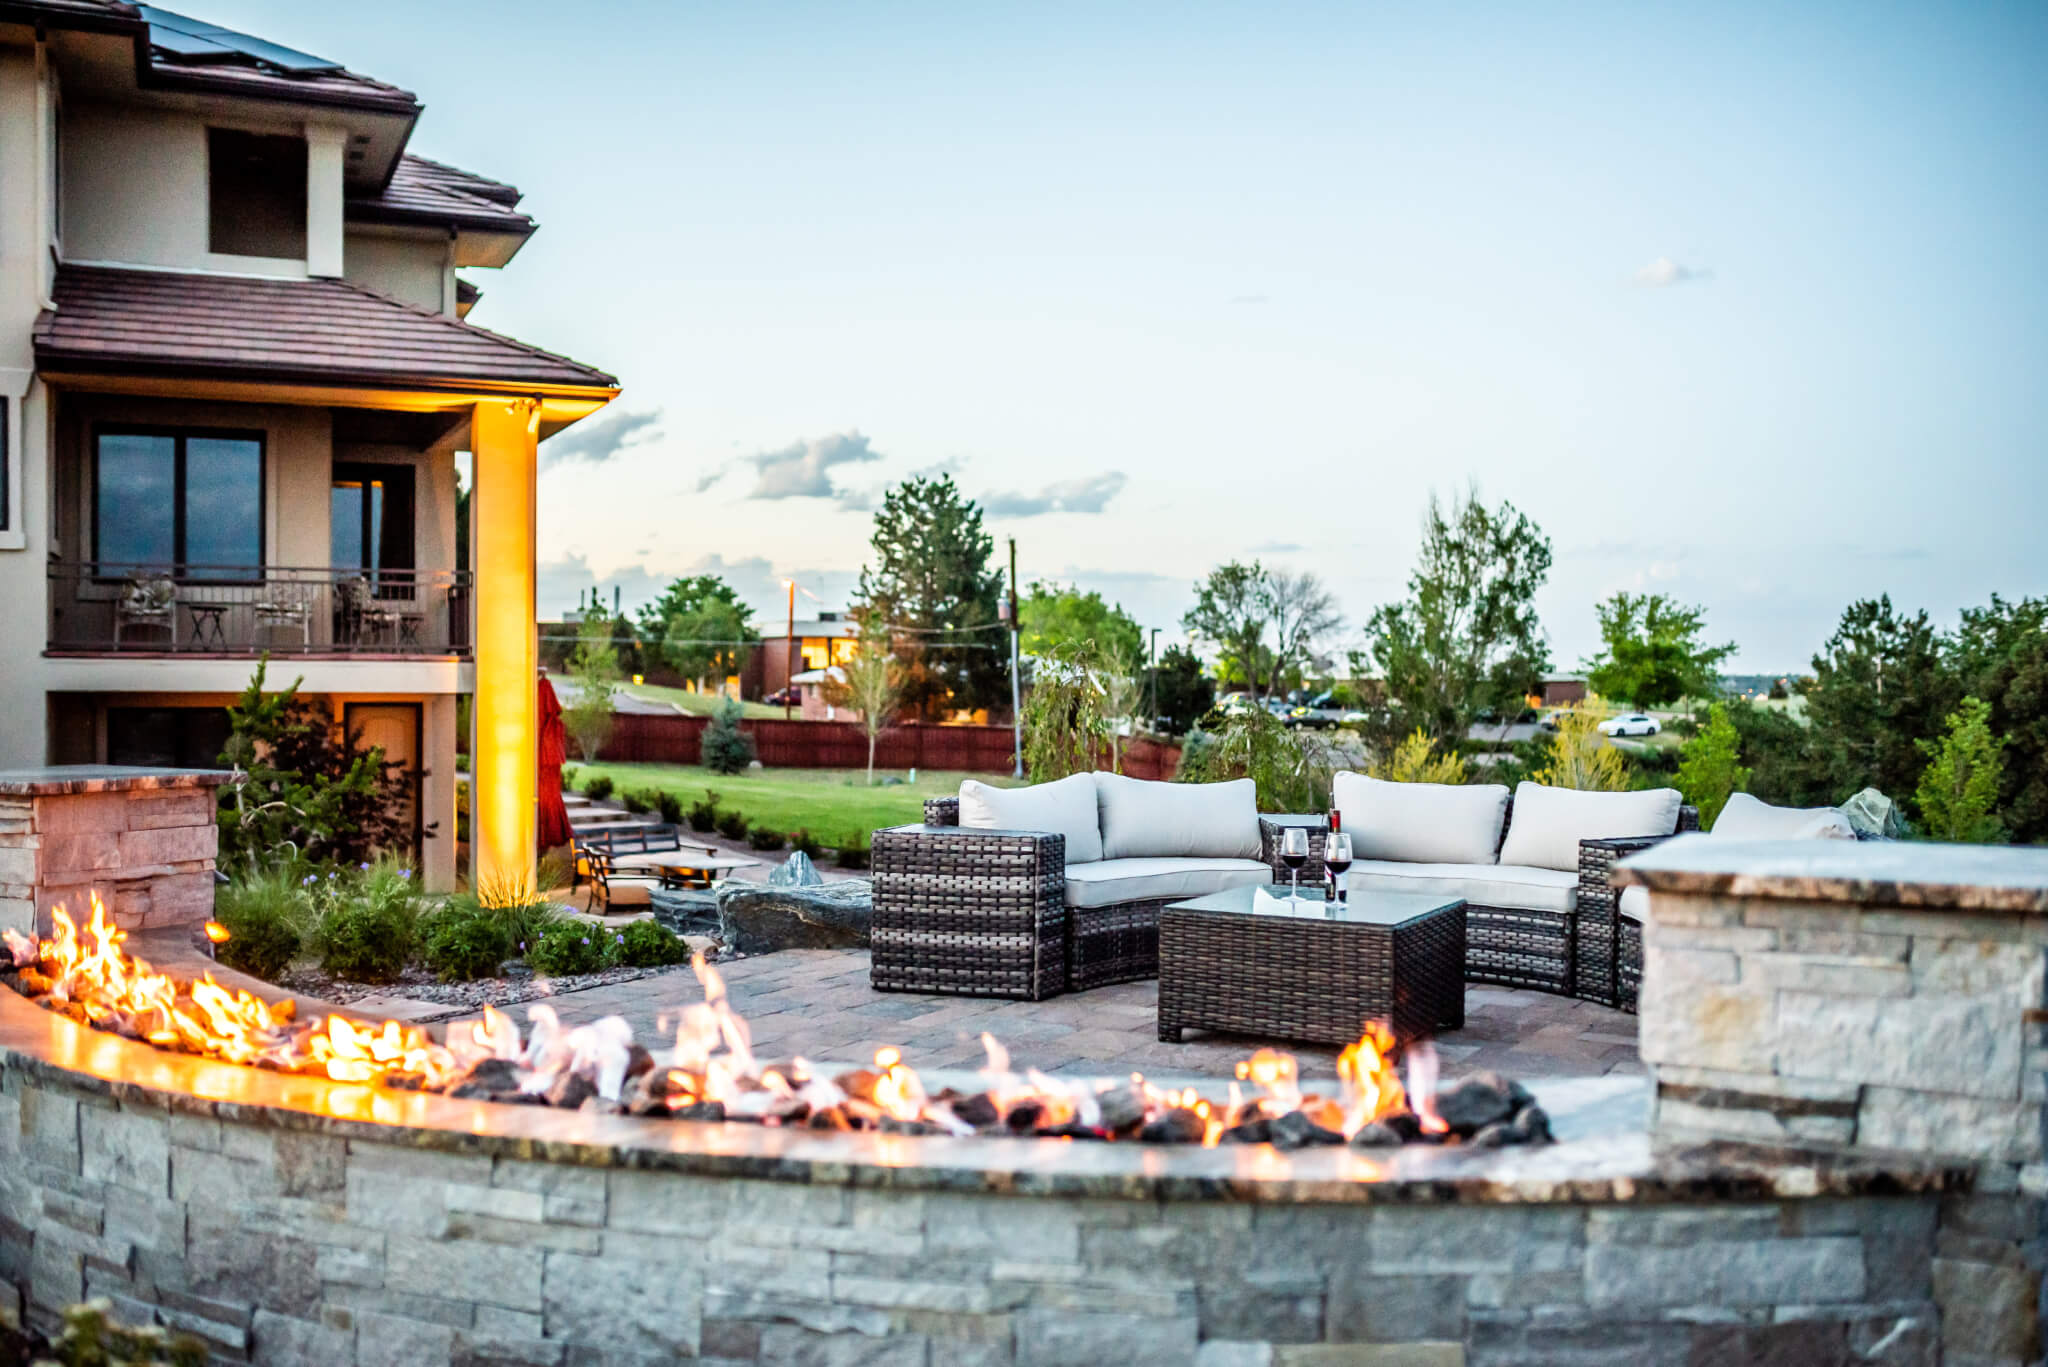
x: 818, y: 1003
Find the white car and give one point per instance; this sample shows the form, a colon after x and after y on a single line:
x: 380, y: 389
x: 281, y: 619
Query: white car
x: 1632, y: 724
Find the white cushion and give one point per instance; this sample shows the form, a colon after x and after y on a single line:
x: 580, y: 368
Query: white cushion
x: 1110, y: 881
x: 1425, y: 823
x: 1748, y: 818
x: 1549, y: 823
x: 1634, y: 902
x: 1066, y: 807
x: 1142, y: 819
x: 1483, y: 885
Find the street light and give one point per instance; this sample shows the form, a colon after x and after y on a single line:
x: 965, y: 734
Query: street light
x: 1154, y: 720
x: 789, y: 655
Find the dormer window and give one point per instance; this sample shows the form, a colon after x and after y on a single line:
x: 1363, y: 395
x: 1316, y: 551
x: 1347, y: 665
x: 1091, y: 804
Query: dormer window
x: 256, y: 194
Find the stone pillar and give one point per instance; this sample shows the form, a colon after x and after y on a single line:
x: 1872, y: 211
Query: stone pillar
x: 143, y: 839
x: 506, y: 762
x: 1884, y: 997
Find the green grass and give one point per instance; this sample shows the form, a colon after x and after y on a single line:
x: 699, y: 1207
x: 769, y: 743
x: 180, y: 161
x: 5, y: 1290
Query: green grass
x: 700, y: 704
x: 834, y: 804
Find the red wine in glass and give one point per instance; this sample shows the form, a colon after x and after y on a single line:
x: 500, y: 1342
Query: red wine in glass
x: 1337, y: 859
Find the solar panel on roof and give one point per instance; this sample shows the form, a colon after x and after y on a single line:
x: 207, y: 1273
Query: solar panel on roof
x: 194, y: 40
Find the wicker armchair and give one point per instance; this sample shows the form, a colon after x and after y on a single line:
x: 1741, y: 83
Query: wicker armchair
x: 1608, y: 963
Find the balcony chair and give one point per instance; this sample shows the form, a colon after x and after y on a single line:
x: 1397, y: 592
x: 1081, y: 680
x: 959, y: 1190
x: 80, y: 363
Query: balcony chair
x: 148, y: 601
x: 363, y: 617
x: 285, y: 607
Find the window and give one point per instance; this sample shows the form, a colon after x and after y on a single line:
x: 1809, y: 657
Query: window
x: 844, y: 648
x: 813, y: 651
x: 370, y: 520
x: 167, y: 737
x: 6, y: 470
x: 190, y: 503
x: 256, y: 194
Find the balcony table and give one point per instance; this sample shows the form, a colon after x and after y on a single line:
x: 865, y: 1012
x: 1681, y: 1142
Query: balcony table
x: 207, y: 618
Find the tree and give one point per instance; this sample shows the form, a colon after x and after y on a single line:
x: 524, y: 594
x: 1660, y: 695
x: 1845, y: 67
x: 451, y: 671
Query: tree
x: 930, y: 586
x: 1880, y: 685
x: 1184, y: 690
x: 1232, y: 607
x: 1064, y: 724
x: 1467, y: 636
x: 1958, y: 792
x: 1580, y: 757
x: 2001, y: 655
x: 1289, y: 767
x: 873, y: 686
x: 1304, y: 611
x: 301, y: 786
x: 1121, y: 679
x: 1775, y: 750
x: 724, y: 748
x: 594, y: 667
x: 1056, y: 614
x: 1711, y: 771
x: 1415, y: 760
x: 700, y: 627
x: 1653, y: 654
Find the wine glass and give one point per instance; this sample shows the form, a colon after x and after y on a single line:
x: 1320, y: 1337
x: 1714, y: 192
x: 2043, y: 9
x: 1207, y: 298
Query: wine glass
x: 1294, y: 853
x: 1337, y: 858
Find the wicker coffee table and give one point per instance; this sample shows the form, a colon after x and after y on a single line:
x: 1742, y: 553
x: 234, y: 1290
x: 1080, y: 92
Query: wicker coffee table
x: 1249, y: 962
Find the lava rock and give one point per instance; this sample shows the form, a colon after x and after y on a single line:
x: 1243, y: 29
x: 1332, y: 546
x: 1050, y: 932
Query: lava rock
x: 1377, y: 1135
x: 1296, y: 1131
x: 859, y: 1082
x: 495, y: 1074
x: 638, y: 1061
x: 754, y: 918
x: 1489, y: 1137
x: 570, y: 1090
x: 1073, y: 1131
x: 1531, y: 1125
x: 977, y: 1110
x: 828, y: 1119
x: 1024, y: 1117
x: 1257, y: 1130
x: 1178, y: 1126
x: 597, y: 1105
x: 789, y: 1110
x: 1404, y: 1123
x: 712, y: 1111
x: 1480, y: 1100
x: 891, y: 1125
x: 1123, y: 1108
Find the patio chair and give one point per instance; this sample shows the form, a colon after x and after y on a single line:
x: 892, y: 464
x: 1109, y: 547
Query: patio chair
x: 285, y: 607
x: 614, y: 892
x: 363, y: 617
x: 148, y: 601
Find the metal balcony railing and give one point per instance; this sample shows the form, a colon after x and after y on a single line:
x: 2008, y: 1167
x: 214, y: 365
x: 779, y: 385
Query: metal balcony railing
x: 250, y: 610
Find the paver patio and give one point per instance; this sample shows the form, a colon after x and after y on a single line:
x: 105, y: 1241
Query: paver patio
x: 818, y: 1003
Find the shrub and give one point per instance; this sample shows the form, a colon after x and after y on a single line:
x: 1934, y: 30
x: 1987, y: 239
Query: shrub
x: 464, y: 940
x: 568, y: 777
x: 649, y: 944
x: 802, y: 839
x: 670, y: 806
x: 1414, y: 761
x: 1958, y: 792
x: 367, y: 920
x: 635, y: 800
x: 764, y: 838
x: 704, y: 812
x: 91, y: 1337
x: 568, y: 947
x: 853, y: 855
x: 1711, y: 772
x: 597, y: 788
x: 725, y: 749
x: 732, y: 825
x: 1580, y: 757
x: 262, y: 913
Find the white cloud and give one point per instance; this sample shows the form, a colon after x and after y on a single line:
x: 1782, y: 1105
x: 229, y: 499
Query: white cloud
x: 1664, y: 272
x: 1088, y: 495
x: 595, y: 442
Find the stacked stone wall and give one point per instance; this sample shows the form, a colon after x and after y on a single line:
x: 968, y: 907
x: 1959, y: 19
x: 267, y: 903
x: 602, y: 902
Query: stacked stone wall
x: 148, y: 853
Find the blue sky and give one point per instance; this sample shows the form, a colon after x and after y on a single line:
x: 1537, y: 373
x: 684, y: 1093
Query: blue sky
x: 1747, y: 304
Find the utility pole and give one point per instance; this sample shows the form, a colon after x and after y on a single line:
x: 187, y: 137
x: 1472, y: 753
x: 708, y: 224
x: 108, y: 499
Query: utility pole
x: 1016, y: 686
x: 1153, y: 720
x: 789, y: 653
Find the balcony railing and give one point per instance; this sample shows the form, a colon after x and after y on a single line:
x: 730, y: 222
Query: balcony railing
x: 250, y: 610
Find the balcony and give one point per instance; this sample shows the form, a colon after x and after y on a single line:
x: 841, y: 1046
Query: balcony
x: 243, y: 611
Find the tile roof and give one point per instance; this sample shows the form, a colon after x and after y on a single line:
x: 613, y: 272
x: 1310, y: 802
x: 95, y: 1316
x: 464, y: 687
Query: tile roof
x: 240, y: 327
x: 422, y: 191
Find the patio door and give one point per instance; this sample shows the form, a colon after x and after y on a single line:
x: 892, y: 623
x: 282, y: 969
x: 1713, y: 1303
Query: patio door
x: 370, y: 525
x: 395, y: 727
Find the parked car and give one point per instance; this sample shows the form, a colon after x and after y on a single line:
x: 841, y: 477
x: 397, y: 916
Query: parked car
x: 1632, y: 724
x: 785, y: 697
x: 1319, y: 712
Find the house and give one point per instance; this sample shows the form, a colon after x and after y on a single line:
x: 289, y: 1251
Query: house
x: 236, y: 383
x: 791, y: 648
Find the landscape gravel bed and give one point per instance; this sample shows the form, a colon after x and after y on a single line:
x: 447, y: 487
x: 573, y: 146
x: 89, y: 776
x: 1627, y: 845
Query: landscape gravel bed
x: 519, y: 984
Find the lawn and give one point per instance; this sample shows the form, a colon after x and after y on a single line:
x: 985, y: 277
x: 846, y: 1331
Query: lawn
x: 833, y: 804
x: 701, y: 704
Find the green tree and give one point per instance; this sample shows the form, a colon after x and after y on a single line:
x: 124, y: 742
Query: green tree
x: 1467, y: 636
x: 594, y: 668
x: 2000, y: 654
x: 1652, y: 653
x: 930, y: 586
x: 724, y: 748
x: 873, y: 686
x: 1881, y: 685
x: 1058, y: 614
x: 1958, y: 792
x: 1232, y: 609
x: 1185, y: 693
x: 1776, y: 751
x: 1289, y: 767
x: 701, y: 628
x: 1711, y: 771
x: 1065, y: 727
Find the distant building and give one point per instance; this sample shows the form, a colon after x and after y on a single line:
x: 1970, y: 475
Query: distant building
x: 1562, y: 690
x: 830, y: 638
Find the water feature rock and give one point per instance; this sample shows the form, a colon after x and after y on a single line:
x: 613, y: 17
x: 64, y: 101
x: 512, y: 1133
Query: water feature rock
x: 797, y: 871
x: 757, y: 918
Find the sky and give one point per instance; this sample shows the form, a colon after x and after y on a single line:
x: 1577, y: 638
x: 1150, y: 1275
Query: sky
x: 1747, y: 304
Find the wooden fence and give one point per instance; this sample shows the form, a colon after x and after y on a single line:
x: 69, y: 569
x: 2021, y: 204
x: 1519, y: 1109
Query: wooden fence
x: 643, y: 738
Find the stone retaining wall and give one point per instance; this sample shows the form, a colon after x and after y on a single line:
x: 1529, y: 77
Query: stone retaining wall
x: 288, y: 1245
x: 143, y: 839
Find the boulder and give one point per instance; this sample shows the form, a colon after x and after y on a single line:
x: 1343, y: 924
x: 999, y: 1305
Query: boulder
x: 754, y: 918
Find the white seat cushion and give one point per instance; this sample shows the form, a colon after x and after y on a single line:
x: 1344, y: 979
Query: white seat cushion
x: 1634, y: 902
x: 1109, y: 881
x: 1423, y: 823
x: 1748, y: 818
x: 1142, y: 819
x: 1066, y: 807
x: 1548, y: 823
x: 1486, y: 885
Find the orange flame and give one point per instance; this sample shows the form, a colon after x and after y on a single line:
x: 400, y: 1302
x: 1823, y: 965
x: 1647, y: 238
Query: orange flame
x: 217, y: 933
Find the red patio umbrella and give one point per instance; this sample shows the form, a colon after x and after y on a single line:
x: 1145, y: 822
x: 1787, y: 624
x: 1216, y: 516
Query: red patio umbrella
x: 554, y: 753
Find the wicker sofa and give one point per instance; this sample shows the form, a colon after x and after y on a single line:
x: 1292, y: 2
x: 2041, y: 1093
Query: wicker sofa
x: 987, y: 912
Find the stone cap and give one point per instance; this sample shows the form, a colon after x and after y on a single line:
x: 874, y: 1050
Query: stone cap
x: 1891, y: 873
x: 57, y: 780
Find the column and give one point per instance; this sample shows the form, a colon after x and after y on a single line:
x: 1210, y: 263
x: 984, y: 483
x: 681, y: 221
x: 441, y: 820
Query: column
x: 504, y: 770
x: 326, y: 164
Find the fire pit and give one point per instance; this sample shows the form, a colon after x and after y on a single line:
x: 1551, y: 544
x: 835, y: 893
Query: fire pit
x: 712, y: 1075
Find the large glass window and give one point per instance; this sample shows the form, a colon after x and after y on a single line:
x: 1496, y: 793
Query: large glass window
x: 187, y: 503
x: 370, y: 514
x: 256, y: 194
x: 813, y: 651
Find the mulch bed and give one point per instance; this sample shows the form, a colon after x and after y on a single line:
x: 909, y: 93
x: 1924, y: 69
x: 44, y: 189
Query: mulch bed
x: 519, y: 984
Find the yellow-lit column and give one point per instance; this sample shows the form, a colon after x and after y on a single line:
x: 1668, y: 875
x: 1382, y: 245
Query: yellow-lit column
x: 505, y: 768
